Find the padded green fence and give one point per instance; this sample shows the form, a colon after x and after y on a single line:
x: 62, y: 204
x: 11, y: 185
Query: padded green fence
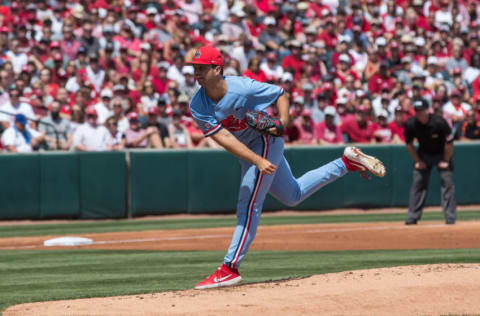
x: 94, y: 185
x: 63, y: 185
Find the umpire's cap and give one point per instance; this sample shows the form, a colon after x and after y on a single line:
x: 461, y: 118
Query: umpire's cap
x: 207, y: 55
x: 420, y: 104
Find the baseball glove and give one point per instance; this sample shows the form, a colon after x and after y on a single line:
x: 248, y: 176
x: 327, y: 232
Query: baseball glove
x: 262, y: 123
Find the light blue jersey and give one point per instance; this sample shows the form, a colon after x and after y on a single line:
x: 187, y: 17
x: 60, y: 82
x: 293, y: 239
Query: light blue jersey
x: 243, y: 94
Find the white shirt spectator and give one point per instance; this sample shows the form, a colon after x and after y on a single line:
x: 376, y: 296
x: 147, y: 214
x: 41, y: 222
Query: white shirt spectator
x: 149, y: 102
x: 175, y: 74
x: 442, y: 17
x: 450, y: 110
x: 123, y: 124
x: 18, y: 60
x: 12, y: 137
x: 95, y: 138
x: 103, y: 112
x: 276, y: 72
x: 22, y: 108
x: 471, y: 74
x: 72, y: 85
x: 96, y: 77
x: 191, y: 10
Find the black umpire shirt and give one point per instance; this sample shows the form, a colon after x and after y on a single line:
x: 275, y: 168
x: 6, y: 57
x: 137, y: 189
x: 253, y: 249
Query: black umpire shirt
x: 431, y: 136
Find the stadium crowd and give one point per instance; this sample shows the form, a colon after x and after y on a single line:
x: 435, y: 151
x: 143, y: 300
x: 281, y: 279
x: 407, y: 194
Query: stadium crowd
x: 93, y: 75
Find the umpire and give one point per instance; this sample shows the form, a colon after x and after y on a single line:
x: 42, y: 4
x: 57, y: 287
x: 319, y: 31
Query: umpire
x: 435, y: 148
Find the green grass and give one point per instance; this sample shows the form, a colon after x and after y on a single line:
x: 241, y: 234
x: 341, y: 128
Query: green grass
x: 29, y: 276
x: 140, y: 225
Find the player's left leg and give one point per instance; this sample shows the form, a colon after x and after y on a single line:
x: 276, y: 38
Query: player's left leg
x: 449, y: 201
x: 291, y: 191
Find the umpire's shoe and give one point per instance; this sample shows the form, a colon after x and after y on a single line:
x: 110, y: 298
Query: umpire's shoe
x: 355, y: 160
x: 411, y: 222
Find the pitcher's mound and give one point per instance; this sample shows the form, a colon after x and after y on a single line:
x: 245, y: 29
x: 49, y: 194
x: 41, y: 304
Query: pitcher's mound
x: 411, y: 290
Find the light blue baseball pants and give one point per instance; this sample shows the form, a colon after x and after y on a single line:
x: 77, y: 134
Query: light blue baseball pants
x: 281, y: 185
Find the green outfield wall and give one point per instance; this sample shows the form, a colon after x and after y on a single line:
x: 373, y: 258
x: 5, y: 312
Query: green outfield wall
x: 140, y: 183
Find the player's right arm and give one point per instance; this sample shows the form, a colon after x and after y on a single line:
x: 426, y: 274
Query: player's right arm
x: 225, y: 139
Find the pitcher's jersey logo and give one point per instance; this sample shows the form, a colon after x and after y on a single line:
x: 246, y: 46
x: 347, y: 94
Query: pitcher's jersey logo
x: 233, y: 124
x: 197, y: 54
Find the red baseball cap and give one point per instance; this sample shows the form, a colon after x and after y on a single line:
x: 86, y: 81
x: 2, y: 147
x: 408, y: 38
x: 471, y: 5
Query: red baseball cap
x: 207, y: 55
x: 91, y: 111
x: 132, y: 116
x: 153, y: 110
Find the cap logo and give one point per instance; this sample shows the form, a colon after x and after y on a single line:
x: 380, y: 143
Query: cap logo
x: 197, y: 54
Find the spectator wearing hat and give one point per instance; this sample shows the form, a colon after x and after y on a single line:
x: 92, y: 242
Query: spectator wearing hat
x: 358, y: 129
x: 271, y: 68
x: 14, y: 106
x: 94, y: 73
x: 19, y: 137
x: 160, y: 80
x: 307, y: 92
x: 254, y: 72
x: 344, y: 69
x: 384, y: 101
x: 382, y: 76
x: 127, y: 39
x: 235, y: 27
x: 190, y: 85
x: 342, y: 51
x: 305, y: 127
x: 179, y: 136
x: 137, y: 137
x: 175, y: 71
x: 435, y: 150
x: 103, y: 105
x: 381, y: 132
x: 69, y: 44
x: 57, y: 129
x: 154, y: 121
x: 90, y: 136
x: 455, y: 111
x: 397, y: 126
x: 269, y: 36
x: 327, y: 132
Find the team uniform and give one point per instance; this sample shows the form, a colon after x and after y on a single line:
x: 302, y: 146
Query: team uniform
x: 244, y: 94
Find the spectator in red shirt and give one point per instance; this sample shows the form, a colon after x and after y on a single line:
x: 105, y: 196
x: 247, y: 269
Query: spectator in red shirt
x: 327, y: 132
x: 381, y: 131
x: 294, y: 61
x: 358, y: 129
x: 305, y: 127
x: 382, y: 76
x: 397, y: 126
x: 329, y: 36
x: 254, y: 71
x: 344, y: 69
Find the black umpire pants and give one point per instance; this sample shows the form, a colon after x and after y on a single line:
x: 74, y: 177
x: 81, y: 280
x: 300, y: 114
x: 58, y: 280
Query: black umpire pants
x: 418, y: 191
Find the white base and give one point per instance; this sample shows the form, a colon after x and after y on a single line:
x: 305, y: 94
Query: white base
x: 68, y: 241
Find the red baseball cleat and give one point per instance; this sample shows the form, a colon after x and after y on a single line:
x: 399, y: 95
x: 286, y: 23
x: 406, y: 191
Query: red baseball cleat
x: 355, y: 160
x: 224, y: 276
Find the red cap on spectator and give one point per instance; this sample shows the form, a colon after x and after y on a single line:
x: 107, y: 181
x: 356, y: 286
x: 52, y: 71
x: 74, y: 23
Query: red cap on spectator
x: 58, y: 56
x: 14, y: 5
x: 437, y: 97
x: 362, y: 108
x: 183, y: 19
x: 306, y: 112
x: 394, y: 45
x: 153, y: 111
x: 398, y: 20
x: 55, y: 44
x: 476, y: 98
x: 91, y: 111
x: 4, y: 29
x: 132, y: 116
x: 456, y: 92
x: 327, y: 86
x: 456, y: 70
x: 385, y: 86
x: 207, y: 55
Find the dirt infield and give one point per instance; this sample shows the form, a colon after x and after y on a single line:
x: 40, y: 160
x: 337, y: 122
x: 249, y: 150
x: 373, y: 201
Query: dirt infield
x: 389, y: 291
